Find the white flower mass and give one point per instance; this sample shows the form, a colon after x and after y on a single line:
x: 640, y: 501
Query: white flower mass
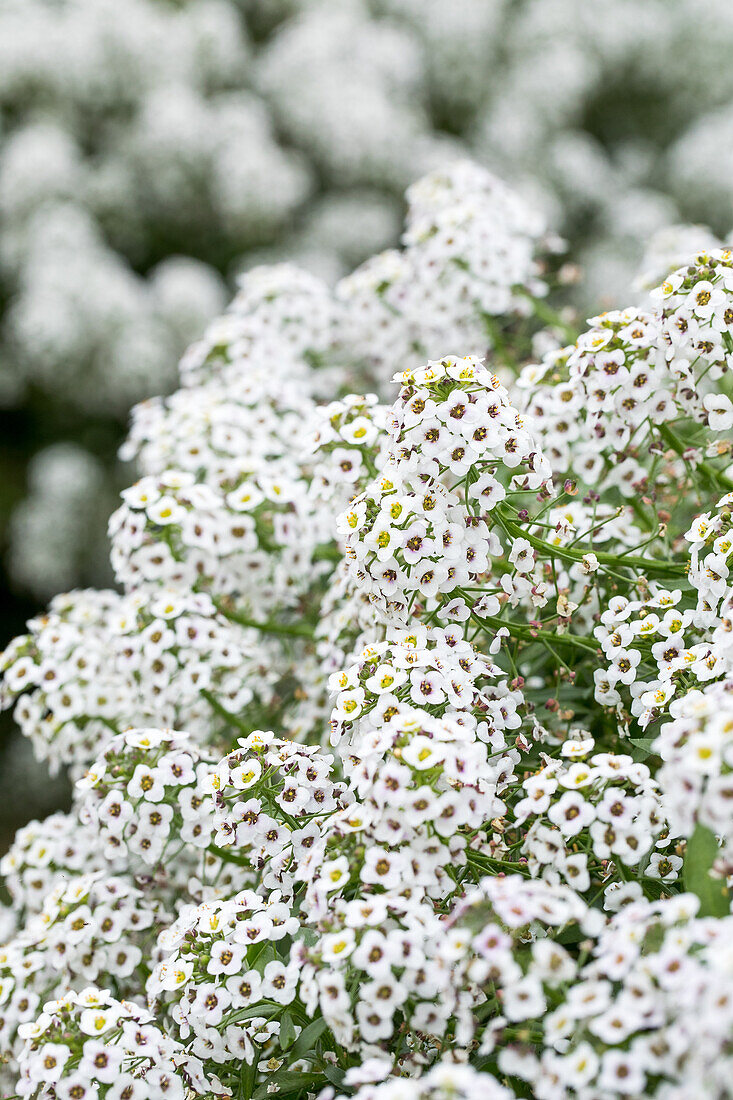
x: 402, y: 750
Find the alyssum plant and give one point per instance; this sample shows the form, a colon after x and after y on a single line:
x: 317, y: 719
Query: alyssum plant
x: 404, y: 751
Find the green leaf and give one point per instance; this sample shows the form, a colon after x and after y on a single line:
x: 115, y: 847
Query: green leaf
x: 334, y: 1074
x: 284, y: 1082
x: 573, y: 934
x: 247, y: 1078
x: 308, y: 1038
x: 262, y: 1008
x: 641, y: 747
x: 702, y: 850
x: 287, y: 1031
x: 263, y: 954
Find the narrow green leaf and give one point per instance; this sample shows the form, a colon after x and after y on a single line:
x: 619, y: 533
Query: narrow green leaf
x: 702, y: 850
x: 308, y: 1038
x: 262, y: 1008
x: 287, y: 1031
x: 247, y: 1080
x: 285, y: 1082
x: 264, y: 954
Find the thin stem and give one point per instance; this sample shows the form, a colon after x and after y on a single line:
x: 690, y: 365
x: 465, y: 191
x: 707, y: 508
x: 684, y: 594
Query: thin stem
x: 228, y: 857
x: 526, y: 633
x: 223, y: 712
x: 488, y: 863
x: 547, y: 314
x: 290, y: 630
x: 711, y: 475
x: 650, y: 565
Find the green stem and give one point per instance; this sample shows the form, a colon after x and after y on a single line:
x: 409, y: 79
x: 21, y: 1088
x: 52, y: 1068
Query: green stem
x: 711, y: 475
x: 228, y: 857
x: 290, y: 630
x: 566, y: 553
x: 549, y: 316
x: 223, y: 712
x: 478, y: 859
x: 526, y: 634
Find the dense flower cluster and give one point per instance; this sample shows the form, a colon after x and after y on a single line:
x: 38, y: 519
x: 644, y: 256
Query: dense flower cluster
x: 90, y: 1044
x: 589, y: 811
x: 634, y: 1030
x: 99, y: 662
x: 208, y: 975
x: 470, y: 255
x: 146, y: 791
x: 403, y: 755
x: 95, y: 928
x: 697, y: 760
x: 436, y: 670
x: 43, y: 852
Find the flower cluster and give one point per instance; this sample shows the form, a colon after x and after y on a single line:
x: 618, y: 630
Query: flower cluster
x: 590, y: 811
x: 91, y: 929
x: 279, y: 311
x: 695, y: 308
x: 43, y: 852
x: 626, y: 1027
x: 650, y: 653
x: 470, y: 257
x: 60, y: 675
x: 429, y: 976
x: 411, y: 722
x: 90, y: 1044
x: 220, y: 537
x: 271, y: 796
x: 407, y: 544
x: 99, y: 662
x: 146, y: 798
x: 368, y: 963
x: 214, y: 970
x: 454, y: 419
x: 422, y: 787
x: 697, y: 760
x: 348, y: 436
x: 601, y: 406
x: 411, y: 535
x: 436, y: 670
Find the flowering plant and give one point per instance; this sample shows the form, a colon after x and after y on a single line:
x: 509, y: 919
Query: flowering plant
x: 404, y: 755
